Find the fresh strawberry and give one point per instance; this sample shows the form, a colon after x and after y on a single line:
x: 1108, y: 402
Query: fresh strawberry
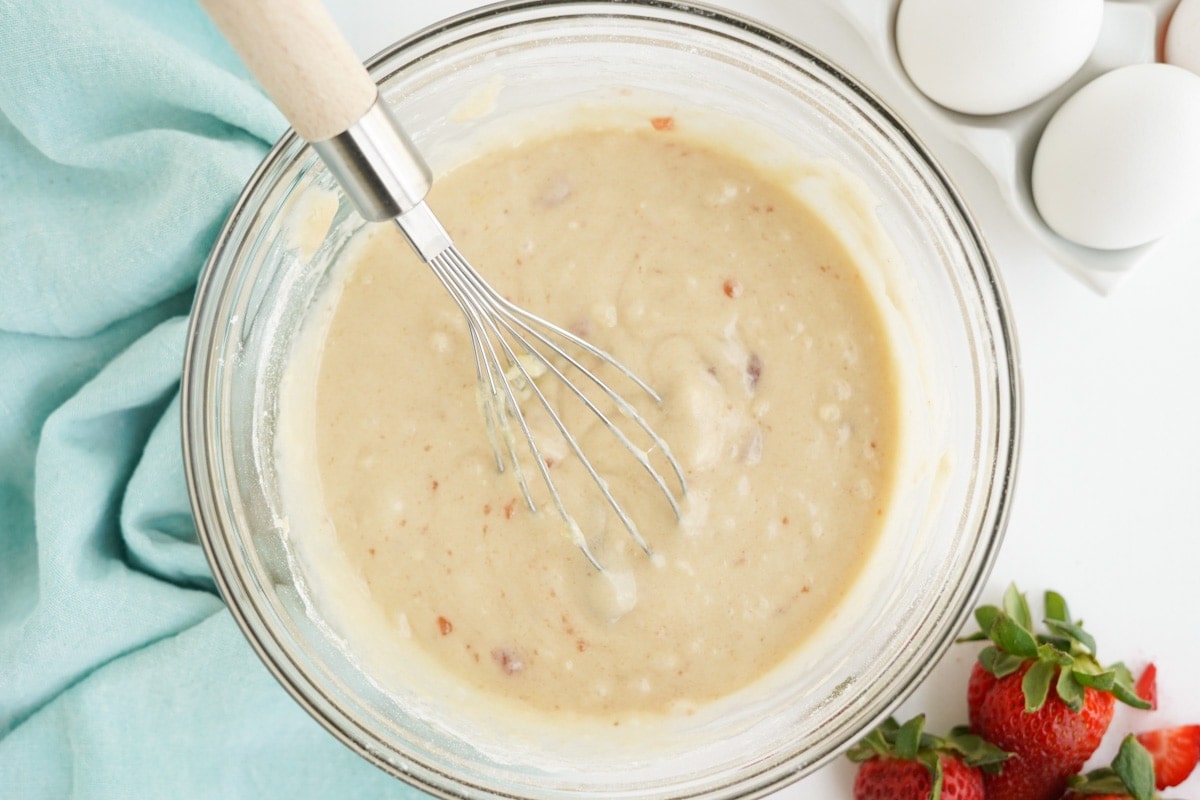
x: 1147, y: 685
x: 1175, y: 752
x: 896, y: 779
x: 1131, y: 777
x: 1048, y: 745
x: 1050, y: 734
x: 902, y: 762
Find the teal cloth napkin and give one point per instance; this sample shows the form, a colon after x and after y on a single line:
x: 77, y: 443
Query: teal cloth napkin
x: 127, y: 129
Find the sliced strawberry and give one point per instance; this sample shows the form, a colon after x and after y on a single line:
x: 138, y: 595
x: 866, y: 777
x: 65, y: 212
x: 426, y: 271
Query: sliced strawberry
x: 1175, y: 751
x: 1147, y: 685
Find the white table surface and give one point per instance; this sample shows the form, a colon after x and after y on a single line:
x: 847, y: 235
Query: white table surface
x: 1105, y: 508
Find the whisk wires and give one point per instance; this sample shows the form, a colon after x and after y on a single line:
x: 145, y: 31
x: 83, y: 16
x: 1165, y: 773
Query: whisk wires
x: 512, y: 349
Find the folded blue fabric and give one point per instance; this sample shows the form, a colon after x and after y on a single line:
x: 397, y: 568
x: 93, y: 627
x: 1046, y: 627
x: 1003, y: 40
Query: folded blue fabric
x: 127, y: 129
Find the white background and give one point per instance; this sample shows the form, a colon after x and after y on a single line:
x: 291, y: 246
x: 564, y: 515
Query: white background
x: 1105, y: 509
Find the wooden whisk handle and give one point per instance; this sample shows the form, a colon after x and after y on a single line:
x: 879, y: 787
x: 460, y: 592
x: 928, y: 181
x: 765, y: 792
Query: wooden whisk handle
x: 297, y: 53
x: 310, y: 71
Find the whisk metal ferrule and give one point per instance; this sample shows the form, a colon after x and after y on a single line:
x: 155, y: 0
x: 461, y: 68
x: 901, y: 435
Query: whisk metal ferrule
x: 377, y: 165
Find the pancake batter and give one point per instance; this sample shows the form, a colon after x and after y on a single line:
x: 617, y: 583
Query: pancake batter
x: 737, y: 304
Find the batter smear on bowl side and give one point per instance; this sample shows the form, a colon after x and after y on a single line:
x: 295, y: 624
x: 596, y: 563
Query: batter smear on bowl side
x: 737, y: 303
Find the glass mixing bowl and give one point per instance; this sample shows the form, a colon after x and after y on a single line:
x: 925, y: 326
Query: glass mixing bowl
x: 511, y: 59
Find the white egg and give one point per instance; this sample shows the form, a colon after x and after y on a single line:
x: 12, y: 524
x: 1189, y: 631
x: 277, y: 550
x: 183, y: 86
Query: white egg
x: 1181, y: 45
x: 993, y: 56
x: 1118, y: 165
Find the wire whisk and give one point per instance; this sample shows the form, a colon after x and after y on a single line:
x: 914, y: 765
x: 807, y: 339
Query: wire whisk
x: 311, y: 73
x: 510, y: 346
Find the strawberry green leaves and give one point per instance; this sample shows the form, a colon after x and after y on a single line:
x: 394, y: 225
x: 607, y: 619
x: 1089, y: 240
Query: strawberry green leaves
x: 1135, y: 767
x: 1035, y: 685
x: 910, y: 741
x: 1063, y: 656
x: 1131, y: 773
